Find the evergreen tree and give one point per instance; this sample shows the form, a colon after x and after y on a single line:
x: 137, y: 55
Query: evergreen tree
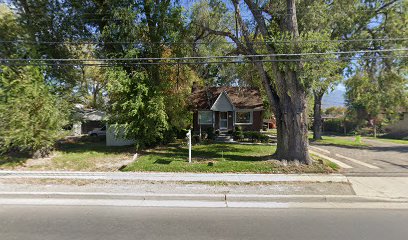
x: 31, y: 118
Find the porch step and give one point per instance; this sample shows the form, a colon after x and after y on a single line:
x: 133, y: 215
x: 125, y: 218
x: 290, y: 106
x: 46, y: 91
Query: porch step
x: 224, y: 138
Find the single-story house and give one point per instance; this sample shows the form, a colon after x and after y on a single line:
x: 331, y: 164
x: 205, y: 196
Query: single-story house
x: 87, y: 119
x: 224, y: 108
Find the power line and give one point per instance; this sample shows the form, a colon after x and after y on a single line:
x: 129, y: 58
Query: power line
x: 112, y: 64
x: 90, y: 42
x: 203, y: 57
x: 284, y: 9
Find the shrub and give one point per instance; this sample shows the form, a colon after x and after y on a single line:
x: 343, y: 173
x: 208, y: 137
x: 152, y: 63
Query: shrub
x: 337, y: 126
x: 263, y: 138
x: 255, y: 136
x: 238, y: 135
x: 210, y: 133
x: 31, y: 117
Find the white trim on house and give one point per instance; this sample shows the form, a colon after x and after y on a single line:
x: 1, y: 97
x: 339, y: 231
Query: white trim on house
x: 251, y: 116
x: 199, y: 118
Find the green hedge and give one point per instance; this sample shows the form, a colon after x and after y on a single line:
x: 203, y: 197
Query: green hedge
x: 337, y: 126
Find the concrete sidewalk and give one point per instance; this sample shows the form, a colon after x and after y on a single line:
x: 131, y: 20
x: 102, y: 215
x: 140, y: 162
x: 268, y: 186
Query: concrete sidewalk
x: 176, y: 177
x: 202, y: 189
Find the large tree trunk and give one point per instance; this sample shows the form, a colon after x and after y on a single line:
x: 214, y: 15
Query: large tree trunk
x: 285, y: 92
x: 317, y: 116
x: 292, y: 129
x: 289, y: 99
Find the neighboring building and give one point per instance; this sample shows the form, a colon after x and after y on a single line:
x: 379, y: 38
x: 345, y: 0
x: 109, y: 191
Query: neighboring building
x: 87, y: 120
x: 116, y: 138
x: 224, y: 108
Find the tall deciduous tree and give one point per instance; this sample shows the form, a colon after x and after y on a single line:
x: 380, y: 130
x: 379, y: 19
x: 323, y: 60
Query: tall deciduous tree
x: 378, y: 86
x: 287, y: 93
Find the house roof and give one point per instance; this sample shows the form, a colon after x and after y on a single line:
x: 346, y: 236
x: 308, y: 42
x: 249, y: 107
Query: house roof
x: 241, y: 97
x: 88, y: 114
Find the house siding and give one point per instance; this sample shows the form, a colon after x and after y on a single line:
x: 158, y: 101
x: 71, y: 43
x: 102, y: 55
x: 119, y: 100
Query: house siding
x: 222, y: 104
x: 256, y: 122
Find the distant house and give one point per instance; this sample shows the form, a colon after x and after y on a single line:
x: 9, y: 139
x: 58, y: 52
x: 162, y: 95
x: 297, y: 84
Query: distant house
x: 87, y: 119
x: 224, y: 108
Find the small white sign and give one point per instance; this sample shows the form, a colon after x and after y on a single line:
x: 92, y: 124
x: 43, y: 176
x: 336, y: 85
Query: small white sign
x: 189, y: 145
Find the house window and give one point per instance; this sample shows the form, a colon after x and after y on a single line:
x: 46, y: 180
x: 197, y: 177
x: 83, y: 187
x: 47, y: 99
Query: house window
x: 243, y: 117
x: 205, y: 117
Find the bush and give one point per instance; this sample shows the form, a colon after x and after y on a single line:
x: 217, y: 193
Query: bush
x: 337, y: 126
x: 263, y: 138
x: 31, y: 117
x: 238, y: 135
x: 210, y: 133
x: 254, y: 136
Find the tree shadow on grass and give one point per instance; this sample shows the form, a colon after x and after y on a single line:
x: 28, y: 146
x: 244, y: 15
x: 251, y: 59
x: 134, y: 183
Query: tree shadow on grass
x: 162, y: 161
x: 91, y: 144
x: 11, y: 160
x: 214, y: 153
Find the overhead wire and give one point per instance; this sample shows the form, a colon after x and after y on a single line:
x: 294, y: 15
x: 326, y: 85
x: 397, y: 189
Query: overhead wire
x: 90, y: 42
x: 209, y: 57
x: 243, y: 61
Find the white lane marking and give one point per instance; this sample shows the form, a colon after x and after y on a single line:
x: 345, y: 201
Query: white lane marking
x: 357, y: 161
x: 321, y: 149
x: 341, y: 164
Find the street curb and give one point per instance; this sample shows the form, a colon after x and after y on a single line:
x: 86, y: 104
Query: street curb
x: 197, y: 197
x: 171, y: 176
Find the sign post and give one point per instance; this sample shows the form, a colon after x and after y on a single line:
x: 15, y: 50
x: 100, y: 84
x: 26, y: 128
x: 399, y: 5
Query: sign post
x: 189, y: 145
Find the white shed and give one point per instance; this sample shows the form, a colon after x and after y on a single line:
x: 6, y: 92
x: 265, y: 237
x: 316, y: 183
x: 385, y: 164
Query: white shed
x: 117, y: 138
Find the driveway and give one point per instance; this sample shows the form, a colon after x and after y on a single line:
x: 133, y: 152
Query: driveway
x: 378, y: 159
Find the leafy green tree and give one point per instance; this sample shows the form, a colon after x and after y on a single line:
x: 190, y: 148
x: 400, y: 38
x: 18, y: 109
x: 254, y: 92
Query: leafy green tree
x: 269, y: 24
x: 372, y: 97
x: 136, y: 107
x: 378, y: 87
x: 10, y: 30
x: 31, y: 118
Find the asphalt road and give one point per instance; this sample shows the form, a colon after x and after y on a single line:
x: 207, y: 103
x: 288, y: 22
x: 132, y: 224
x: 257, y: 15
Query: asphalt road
x: 47, y: 222
x: 390, y: 159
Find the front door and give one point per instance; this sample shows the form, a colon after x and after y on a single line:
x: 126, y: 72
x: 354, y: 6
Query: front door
x: 223, y: 120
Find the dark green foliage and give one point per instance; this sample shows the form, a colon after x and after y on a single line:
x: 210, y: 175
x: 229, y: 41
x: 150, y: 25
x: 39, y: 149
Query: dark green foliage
x: 337, y: 126
x: 252, y: 136
x: 238, y: 135
x: 210, y: 133
x: 136, y: 107
x: 31, y: 118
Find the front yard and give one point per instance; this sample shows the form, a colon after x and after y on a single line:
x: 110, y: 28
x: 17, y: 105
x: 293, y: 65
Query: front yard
x: 220, y: 157
x: 90, y: 155
x: 84, y: 154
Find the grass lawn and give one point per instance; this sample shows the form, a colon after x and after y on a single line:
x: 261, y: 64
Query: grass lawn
x: 221, y: 157
x: 340, y: 141
x: 397, y: 141
x: 86, y: 154
x: 89, y: 154
x: 7, y: 162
